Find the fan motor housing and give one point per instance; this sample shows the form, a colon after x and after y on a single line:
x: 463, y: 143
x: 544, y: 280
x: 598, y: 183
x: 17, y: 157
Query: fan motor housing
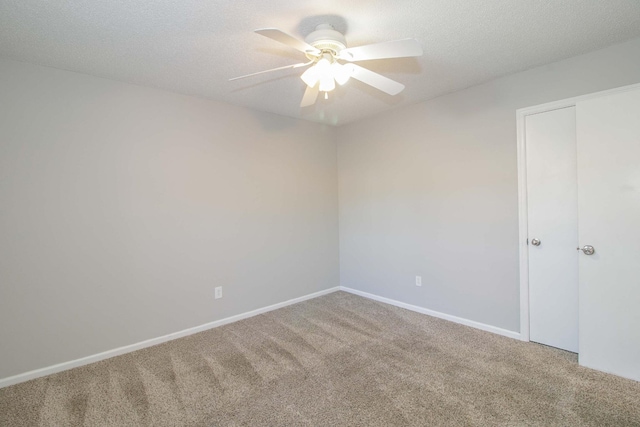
x: 326, y: 38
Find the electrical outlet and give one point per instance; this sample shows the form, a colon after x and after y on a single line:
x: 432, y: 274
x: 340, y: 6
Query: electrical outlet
x: 418, y: 280
x: 218, y: 292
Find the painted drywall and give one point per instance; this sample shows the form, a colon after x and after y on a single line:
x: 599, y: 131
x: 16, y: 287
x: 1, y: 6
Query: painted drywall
x: 431, y: 189
x: 122, y: 207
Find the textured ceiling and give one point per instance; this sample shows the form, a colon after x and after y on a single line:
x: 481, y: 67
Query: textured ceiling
x: 195, y: 46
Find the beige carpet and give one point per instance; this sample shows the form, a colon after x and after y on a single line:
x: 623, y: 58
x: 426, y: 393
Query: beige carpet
x: 333, y: 361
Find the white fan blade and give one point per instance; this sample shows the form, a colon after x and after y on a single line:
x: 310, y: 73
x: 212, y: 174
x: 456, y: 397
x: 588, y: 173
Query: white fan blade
x: 393, y: 49
x: 289, y: 40
x: 310, y: 96
x: 302, y: 64
x: 376, y: 80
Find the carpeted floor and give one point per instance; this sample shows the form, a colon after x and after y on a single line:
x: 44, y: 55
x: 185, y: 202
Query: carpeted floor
x: 337, y: 360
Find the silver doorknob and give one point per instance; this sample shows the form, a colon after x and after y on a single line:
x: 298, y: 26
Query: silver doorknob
x: 535, y: 242
x: 587, y: 249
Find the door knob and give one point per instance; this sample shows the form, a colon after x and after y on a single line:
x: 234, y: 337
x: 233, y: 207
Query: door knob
x: 587, y: 249
x: 535, y: 242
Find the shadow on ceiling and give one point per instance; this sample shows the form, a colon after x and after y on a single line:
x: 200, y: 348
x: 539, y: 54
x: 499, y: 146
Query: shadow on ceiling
x: 309, y: 24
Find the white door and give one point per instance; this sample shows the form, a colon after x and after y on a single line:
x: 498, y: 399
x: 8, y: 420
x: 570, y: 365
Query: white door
x: 553, y: 223
x: 608, y: 131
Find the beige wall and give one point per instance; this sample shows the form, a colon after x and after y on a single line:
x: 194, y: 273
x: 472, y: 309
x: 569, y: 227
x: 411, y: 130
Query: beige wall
x: 431, y: 189
x: 122, y: 207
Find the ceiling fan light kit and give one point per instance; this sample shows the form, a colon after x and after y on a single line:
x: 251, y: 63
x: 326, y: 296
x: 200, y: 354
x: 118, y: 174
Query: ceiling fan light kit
x: 325, y: 47
x: 327, y: 71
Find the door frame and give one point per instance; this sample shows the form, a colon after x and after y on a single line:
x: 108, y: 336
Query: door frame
x: 523, y: 216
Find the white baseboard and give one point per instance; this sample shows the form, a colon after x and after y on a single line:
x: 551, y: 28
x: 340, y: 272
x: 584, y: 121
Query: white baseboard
x: 455, y: 319
x: 5, y: 382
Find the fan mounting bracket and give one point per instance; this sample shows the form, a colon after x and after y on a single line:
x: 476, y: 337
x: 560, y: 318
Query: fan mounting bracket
x: 326, y: 39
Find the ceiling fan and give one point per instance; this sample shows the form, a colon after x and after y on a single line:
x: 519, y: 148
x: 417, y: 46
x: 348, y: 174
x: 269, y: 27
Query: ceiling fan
x: 330, y: 61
